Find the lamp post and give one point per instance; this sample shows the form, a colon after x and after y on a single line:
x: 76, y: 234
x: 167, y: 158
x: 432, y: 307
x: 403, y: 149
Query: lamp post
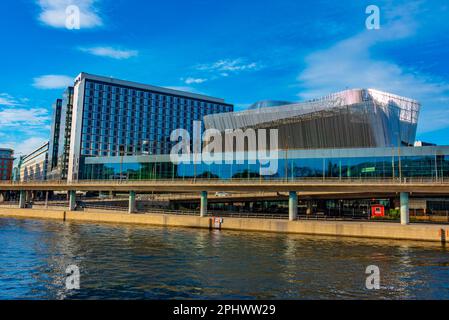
x: 400, y: 161
x: 399, y: 156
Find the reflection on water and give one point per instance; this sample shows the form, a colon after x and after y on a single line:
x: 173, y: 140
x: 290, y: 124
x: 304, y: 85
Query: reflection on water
x: 136, y: 262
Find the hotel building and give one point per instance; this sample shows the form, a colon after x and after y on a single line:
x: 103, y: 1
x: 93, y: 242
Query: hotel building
x: 102, y: 117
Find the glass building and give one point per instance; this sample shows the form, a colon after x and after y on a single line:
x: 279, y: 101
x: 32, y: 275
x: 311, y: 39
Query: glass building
x: 33, y: 167
x: 54, y: 139
x: 350, y: 163
x: 112, y: 118
x: 61, y: 130
x: 354, y: 134
x: 65, y: 132
x: 115, y: 129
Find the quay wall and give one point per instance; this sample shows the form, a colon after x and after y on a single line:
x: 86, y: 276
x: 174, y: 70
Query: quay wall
x: 380, y: 230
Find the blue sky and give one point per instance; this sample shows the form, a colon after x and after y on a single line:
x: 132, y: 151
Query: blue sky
x: 243, y: 51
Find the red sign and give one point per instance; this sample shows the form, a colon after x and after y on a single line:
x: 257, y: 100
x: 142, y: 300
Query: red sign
x: 378, y: 211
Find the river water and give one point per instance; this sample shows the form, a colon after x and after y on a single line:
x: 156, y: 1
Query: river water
x: 141, y: 262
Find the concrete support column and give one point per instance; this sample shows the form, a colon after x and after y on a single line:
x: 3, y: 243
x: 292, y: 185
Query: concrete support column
x: 22, y: 199
x: 132, y: 202
x: 203, y: 205
x: 46, y: 200
x: 292, y: 206
x: 72, y: 200
x: 405, y: 212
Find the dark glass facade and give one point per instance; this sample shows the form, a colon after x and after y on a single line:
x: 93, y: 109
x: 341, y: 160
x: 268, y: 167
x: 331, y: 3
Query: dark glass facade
x: 54, y: 137
x: 139, y: 120
x: 114, y: 117
x: 61, y: 130
x: 66, y: 132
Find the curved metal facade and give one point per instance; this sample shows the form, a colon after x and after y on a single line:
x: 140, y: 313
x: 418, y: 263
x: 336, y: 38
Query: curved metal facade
x: 268, y: 104
x: 355, y: 118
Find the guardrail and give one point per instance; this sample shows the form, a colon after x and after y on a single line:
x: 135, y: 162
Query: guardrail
x: 264, y: 180
x: 155, y: 210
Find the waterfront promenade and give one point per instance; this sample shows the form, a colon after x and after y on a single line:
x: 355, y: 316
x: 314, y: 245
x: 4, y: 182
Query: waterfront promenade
x: 379, y: 230
x: 294, y: 187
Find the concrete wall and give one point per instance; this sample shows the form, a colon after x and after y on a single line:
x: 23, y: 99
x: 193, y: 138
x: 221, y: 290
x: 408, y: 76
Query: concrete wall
x: 381, y: 230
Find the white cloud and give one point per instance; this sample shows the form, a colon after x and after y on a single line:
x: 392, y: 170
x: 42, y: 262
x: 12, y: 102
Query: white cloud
x: 21, y: 117
x: 350, y: 64
x: 24, y: 129
x: 7, y: 100
x: 53, y: 13
x: 226, y: 66
x: 111, y: 52
x: 21, y: 127
x: 191, y: 80
x: 52, y: 82
x: 221, y: 68
x: 27, y: 146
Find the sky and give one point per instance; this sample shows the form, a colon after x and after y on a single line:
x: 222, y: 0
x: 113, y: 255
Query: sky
x: 240, y: 50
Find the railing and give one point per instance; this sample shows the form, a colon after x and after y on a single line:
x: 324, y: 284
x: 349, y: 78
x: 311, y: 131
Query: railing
x: 192, y: 212
x: 247, y: 215
x: 324, y: 180
x: 155, y: 210
x: 231, y: 214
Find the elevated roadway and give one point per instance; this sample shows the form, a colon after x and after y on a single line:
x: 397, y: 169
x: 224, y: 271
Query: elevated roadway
x: 427, y: 186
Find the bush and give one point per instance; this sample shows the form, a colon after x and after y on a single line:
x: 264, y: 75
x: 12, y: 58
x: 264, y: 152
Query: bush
x: 394, y: 214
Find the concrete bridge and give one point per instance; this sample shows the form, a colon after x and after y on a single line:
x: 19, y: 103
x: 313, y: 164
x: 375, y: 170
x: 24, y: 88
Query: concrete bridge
x: 326, y: 185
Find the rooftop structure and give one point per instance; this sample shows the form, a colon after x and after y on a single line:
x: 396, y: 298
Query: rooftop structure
x: 353, y: 118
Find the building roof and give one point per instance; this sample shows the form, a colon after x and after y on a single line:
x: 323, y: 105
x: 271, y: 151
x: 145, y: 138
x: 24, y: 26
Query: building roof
x: 162, y: 90
x: 252, y: 117
x: 268, y: 104
x: 38, y: 151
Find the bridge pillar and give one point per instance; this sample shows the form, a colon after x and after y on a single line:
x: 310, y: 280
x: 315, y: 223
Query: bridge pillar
x: 405, y: 212
x: 46, y: 200
x: 203, y: 205
x: 292, y: 206
x: 72, y: 200
x: 132, y: 202
x: 22, y: 199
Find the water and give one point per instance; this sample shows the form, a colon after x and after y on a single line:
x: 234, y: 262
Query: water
x: 140, y: 262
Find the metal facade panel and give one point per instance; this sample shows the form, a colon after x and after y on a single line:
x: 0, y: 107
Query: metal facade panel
x: 352, y: 118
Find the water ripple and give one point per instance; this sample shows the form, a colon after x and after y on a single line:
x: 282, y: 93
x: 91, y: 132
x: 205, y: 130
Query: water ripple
x: 137, y: 262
